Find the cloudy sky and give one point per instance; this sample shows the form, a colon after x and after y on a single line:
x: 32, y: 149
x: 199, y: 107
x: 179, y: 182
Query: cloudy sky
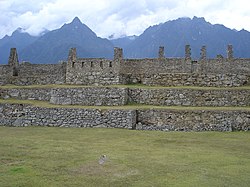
x: 117, y: 17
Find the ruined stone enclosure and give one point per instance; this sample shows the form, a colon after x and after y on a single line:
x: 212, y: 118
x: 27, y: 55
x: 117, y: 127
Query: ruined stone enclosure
x: 161, y: 71
x: 155, y: 94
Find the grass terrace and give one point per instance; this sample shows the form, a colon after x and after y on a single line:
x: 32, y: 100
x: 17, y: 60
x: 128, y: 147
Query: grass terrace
x: 130, y: 106
x: 47, y: 156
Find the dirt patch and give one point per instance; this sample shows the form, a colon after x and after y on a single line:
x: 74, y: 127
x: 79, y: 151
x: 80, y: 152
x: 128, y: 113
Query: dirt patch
x: 107, y: 169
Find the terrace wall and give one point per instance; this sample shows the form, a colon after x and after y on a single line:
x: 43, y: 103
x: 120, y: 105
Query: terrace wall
x: 165, y: 120
x: 111, y: 96
x: 190, y: 97
x: 26, y: 115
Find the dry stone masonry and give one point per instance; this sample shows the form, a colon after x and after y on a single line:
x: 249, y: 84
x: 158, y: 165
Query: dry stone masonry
x: 116, y: 96
x: 230, y: 55
x: 190, y: 120
x: 26, y: 115
x: 155, y: 119
x: 90, y: 96
x: 220, y: 72
x: 101, y: 83
x: 190, y: 97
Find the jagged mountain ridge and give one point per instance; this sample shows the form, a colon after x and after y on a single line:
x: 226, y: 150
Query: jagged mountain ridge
x: 54, y: 45
x: 174, y: 35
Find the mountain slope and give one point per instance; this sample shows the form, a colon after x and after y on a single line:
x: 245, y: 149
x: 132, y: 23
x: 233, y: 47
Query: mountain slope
x: 54, y: 45
x: 18, y: 39
x: 124, y: 41
x: 174, y: 35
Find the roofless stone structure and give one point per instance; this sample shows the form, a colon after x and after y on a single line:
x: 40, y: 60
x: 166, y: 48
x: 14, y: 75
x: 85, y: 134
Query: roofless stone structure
x: 169, y: 82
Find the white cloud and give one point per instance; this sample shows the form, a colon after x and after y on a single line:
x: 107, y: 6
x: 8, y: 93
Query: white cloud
x: 123, y: 17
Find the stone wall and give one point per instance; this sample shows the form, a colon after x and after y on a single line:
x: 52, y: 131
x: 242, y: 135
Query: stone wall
x: 152, y: 119
x: 202, y: 120
x: 27, y: 69
x: 111, y: 96
x: 182, y: 65
x: 96, y: 96
x: 221, y: 72
x: 29, y: 74
x: 40, y: 74
x: 185, y: 71
x: 5, y: 70
x: 26, y: 115
x: 153, y: 66
x: 190, y: 97
x: 40, y: 94
x: 227, y: 66
x: 4, y: 80
x: 187, y: 79
x: 92, y: 72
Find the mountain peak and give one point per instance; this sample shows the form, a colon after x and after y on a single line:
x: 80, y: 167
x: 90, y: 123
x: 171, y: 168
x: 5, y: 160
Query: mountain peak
x: 76, y: 20
x: 77, y: 27
x: 199, y: 18
x: 194, y: 19
x: 18, y: 31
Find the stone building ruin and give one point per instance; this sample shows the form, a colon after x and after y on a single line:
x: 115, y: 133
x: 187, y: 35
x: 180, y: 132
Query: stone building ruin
x: 169, y: 82
x: 219, y: 72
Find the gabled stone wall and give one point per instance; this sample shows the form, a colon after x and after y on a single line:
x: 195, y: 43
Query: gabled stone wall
x: 92, y: 72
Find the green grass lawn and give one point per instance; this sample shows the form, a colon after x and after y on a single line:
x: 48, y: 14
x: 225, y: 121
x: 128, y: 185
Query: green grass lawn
x: 42, y: 156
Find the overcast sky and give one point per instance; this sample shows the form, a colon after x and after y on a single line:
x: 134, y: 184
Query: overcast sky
x: 117, y: 17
